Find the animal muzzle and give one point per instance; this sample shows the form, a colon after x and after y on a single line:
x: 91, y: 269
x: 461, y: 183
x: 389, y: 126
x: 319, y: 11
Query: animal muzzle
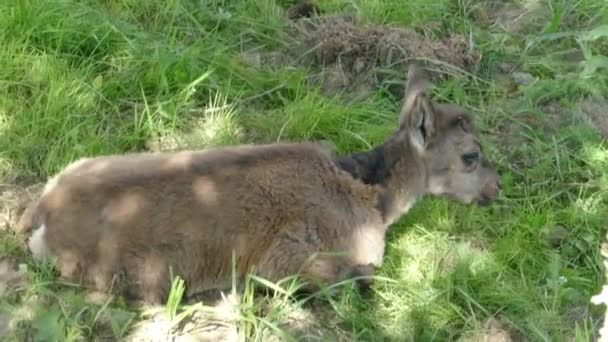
x: 489, y: 192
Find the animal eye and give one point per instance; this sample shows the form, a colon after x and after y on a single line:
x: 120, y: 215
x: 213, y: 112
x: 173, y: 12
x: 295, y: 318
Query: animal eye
x: 466, y: 126
x: 470, y: 158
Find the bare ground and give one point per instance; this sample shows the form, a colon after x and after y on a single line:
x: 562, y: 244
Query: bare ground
x: 508, y: 16
x: 493, y: 330
x: 10, y: 278
x: 596, y: 113
x: 13, y: 200
x: 221, y: 323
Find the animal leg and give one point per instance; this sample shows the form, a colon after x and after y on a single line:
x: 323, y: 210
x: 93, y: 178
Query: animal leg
x: 364, y: 274
x: 149, y: 276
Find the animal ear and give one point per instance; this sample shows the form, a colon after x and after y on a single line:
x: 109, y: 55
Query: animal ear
x: 417, y: 117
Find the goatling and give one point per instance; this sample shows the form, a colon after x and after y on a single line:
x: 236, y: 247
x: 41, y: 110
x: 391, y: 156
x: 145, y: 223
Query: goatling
x: 128, y: 222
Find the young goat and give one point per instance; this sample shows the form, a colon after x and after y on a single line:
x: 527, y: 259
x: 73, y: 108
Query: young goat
x: 283, y: 209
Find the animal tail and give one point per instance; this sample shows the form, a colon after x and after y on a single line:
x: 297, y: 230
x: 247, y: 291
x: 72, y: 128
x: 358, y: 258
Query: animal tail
x: 32, y: 221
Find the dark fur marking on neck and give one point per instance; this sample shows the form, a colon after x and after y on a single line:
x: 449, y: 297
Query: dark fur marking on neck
x: 370, y: 167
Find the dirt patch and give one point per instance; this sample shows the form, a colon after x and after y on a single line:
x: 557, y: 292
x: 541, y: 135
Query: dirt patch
x: 4, y: 324
x: 553, y: 117
x: 200, y: 326
x: 303, y: 9
x: 510, y: 17
x: 317, y: 321
x: 222, y: 322
x: 576, y: 316
x: 193, y: 322
x: 363, y: 56
x: 346, y: 55
x: 13, y: 201
x: 596, y: 113
x: 9, y: 276
x: 493, y: 330
x: 515, y: 130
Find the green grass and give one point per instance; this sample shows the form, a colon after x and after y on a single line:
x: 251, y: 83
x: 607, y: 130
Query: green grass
x: 83, y: 78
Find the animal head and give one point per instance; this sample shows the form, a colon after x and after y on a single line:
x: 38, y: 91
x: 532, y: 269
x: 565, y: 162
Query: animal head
x: 444, y: 137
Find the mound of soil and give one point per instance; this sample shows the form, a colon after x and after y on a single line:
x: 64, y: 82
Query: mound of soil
x: 346, y: 55
x: 365, y: 56
x: 357, y: 56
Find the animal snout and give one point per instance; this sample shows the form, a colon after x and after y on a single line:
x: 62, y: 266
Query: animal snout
x: 490, y: 191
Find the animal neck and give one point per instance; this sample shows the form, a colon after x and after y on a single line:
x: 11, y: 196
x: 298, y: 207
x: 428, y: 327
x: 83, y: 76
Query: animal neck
x: 368, y: 166
x: 397, y: 168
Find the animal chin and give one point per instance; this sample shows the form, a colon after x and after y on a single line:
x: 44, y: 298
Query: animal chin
x: 459, y: 199
x: 484, y: 201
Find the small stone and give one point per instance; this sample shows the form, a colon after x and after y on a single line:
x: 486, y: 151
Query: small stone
x: 523, y: 78
x: 505, y: 83
x: 252, y: 58
x: 506, y: 67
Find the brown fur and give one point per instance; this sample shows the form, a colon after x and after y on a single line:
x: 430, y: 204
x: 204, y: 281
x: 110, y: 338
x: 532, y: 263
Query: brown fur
x: 283, y: 209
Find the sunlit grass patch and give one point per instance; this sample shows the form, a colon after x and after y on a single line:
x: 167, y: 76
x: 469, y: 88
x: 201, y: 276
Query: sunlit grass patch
x: 215, y: 124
